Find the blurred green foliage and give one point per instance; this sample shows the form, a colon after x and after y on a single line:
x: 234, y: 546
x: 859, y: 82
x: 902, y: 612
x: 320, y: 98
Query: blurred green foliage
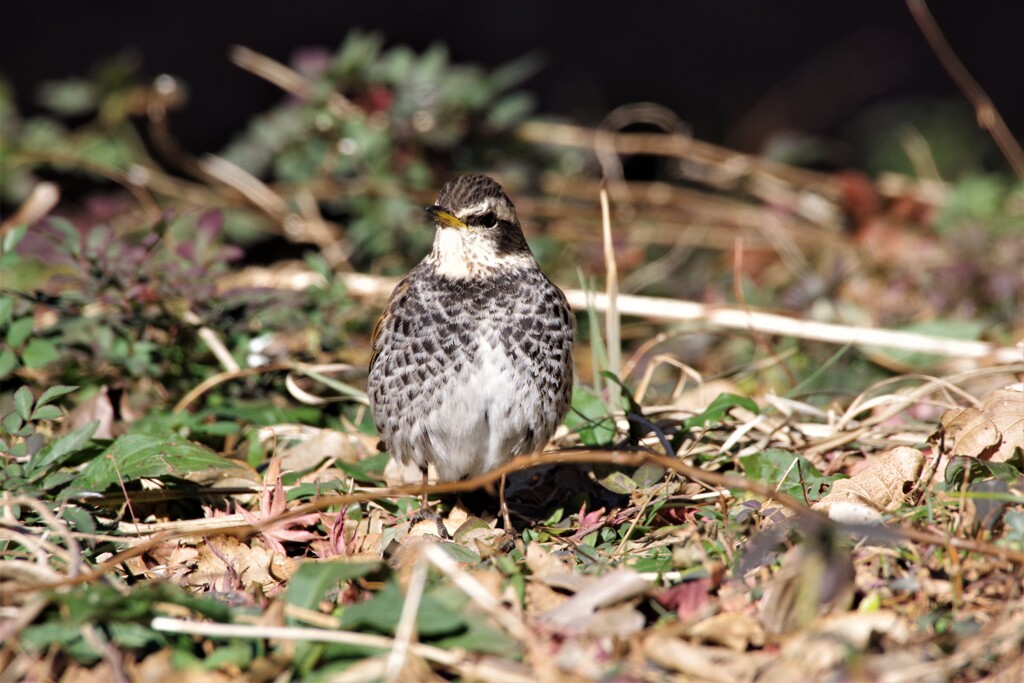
x: 113, y: 288
x: 374, y: 124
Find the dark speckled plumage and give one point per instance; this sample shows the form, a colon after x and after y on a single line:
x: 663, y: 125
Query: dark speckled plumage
x: 472, y: 358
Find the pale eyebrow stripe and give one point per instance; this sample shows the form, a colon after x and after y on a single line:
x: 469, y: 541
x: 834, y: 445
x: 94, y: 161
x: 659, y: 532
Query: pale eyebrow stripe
x: 478, y: 209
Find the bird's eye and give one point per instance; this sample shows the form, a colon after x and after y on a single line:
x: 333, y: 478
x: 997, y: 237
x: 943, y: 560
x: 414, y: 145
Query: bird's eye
x: 488, y: 220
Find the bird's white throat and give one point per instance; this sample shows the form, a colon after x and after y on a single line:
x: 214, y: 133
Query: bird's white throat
x: 461, y: 253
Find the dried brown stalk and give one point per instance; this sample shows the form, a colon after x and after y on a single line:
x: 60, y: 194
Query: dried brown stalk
x: 987, y: 114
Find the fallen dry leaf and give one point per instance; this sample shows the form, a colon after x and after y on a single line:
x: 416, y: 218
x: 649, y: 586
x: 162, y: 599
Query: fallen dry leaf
x: 881, y: 486
x: 991, y: 432
x: 822, y: 650
x: 687, y: 598
x: 99, y: 409
x: 273, y: 504
x: 541, y: 598
x: 620, y: 621
x: 315, y: 447
x: 734, y: 630
x: 578, y: 613
x: 704, y: 663
x: 227, y: 564
x: 543, y: 563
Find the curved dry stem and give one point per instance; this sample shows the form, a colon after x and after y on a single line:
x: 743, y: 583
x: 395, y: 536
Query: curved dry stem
x: 987, y: 115
x: 74, y: 550
x: 621, y: 458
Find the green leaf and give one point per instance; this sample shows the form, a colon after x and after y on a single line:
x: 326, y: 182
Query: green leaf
x: 717, y: 410
x: 58, y: 479
x: 18, y: 332
x: 39, y: 353
x: 439, y: 613
x: 314, y: 489
x: 38, y: 638
x: 784, y: 470
x: 974, y: 197
x: 654, y: 562
x: 636, y: 429
x: 46, y: 413
x: 1013, y: 536
x: 54, y: 392
x: 137, y: 456
x: 617, y: 482
x: 1008, y: 471
x: 511, y: 109
x: 56, y: 452
x: 72, y: 238
x: 587, y: 553
x: 481, y: 638
x: 648, y: 474
x: 313, y: 580
x: 127, y: 634
x: 13, y: 424
x: 237, y: 653
x: 6, y: 309
x: 70, y: 97
x: 8, y: 361
x: 367, y: 471
x: 589, y: 417
x: 12, y: 239
x: 78, y: 518
x: 23, y: 403
x: 511, y: 74
x: 461, y: 553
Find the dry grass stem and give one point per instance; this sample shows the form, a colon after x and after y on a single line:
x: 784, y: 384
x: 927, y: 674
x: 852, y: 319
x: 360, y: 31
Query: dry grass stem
x: 288, y: 79
x: 679, y: 311
x: 405, y: 632
x: 469, y: 666
x: 985, y: 111
x: 39, y: 203
x: 613, y: 336
x: 674, y: 310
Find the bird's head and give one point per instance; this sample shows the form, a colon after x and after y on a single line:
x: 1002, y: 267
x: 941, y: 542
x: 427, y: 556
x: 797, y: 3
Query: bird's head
x: 477, y: 229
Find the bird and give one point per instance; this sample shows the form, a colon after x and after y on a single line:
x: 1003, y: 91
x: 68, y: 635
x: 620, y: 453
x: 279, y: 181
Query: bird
x: 471, y: 359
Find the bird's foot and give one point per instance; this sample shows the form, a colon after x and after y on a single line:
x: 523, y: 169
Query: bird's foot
x: 426, y: 513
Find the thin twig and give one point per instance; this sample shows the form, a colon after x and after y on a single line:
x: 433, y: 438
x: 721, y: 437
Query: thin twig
x: 985, y: 111
x: 620, y: 458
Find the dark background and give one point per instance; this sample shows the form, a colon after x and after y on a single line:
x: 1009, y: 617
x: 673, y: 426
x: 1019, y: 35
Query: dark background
x: 736, y: 71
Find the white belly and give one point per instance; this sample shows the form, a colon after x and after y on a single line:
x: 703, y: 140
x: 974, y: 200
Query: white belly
x: 478, y: 421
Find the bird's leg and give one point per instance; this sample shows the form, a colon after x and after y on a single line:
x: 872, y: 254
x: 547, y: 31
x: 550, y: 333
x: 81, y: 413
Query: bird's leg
x: 424, y: 506
x: 426, y: 513
x: 504, y: 506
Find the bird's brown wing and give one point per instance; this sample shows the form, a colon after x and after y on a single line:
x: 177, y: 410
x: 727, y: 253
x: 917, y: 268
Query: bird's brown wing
x: 400, y: 289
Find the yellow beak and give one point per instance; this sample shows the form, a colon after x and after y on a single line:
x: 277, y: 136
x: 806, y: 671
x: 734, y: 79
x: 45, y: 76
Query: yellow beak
x: 443, y: 217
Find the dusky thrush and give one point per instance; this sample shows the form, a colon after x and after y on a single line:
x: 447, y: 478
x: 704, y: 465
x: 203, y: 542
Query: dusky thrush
x: 472, y: 357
